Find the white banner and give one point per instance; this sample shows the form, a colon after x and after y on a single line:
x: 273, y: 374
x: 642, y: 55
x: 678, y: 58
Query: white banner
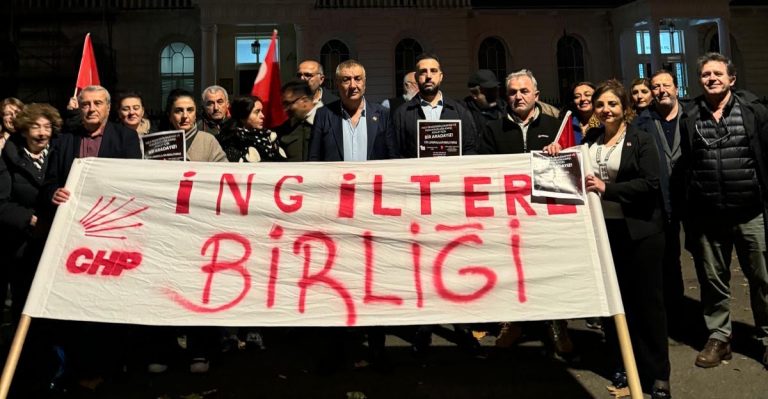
x: 416, y: 241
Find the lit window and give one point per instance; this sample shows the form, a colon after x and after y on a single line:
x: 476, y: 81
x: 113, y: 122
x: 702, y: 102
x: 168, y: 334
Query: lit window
x: 177, y: 68
x: 570, y: 65
x: 406, y: 52
x: 244, y: 54
x: 493, y: 56
x: 672, y: 50
x: 333, y: 53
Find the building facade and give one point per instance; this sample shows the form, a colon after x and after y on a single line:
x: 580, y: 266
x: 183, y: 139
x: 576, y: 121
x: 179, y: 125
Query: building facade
x: 153, y: 46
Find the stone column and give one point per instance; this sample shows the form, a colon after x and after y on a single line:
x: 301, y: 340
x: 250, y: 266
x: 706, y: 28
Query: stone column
x: 655, y: 44
x: 299, y: 43
x: 208, y: 61
x: 724, y: 35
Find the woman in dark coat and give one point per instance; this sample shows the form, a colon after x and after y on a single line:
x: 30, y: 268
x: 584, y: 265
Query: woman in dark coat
x: 244, y: 138
x: 625, y: 161
x: 22, y: 170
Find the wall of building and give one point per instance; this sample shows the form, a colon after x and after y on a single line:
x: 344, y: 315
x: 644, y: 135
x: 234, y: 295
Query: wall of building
x: 451, y: 29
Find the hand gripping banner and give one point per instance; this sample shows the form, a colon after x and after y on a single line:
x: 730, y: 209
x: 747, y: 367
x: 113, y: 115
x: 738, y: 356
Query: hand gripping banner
x: 414, y: 241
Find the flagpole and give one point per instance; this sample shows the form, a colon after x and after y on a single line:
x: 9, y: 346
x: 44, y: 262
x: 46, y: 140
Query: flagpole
x: 628, y: 356
x: 606, y: 259
x: 13, y: 356
x: 566, y: 119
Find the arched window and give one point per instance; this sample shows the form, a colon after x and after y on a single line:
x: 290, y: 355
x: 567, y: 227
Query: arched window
x: 333, y: 53
x: 405, y: 61
x: 177, y: 68
x: 570, y: 64
x: 492, y: 55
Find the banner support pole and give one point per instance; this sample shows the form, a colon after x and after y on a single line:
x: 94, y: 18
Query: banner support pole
x: 628, y: 356
x: 13, y: 356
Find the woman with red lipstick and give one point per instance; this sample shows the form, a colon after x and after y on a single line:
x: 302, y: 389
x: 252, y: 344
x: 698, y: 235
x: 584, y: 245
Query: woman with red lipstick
x: 583, y: 117
x: 625, y: 162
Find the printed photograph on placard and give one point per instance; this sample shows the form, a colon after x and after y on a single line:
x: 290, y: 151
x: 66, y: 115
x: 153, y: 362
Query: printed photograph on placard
x: 558, y: 176
x: 168, y: 146
x: 438, y: 138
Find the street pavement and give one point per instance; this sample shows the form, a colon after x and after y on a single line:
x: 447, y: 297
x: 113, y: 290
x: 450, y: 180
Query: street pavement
x: 285, y: 369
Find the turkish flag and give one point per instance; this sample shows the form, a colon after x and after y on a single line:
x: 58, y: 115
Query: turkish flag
x: 267, y: 87
x: 88, y: 75
x: 566, y: 137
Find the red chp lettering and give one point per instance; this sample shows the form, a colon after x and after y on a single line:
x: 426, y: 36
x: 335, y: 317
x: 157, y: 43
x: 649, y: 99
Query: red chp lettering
x: 304, y: 244
x: 231, y: 182
x: 378, y: 207
x: 296, y: 200
x: 425, y: 190
x: 471, y: 197
x: 439, y: 263
x: 83, y: 260
x: 217, y: 265
x: 184, y: 192
x: 347, y: 197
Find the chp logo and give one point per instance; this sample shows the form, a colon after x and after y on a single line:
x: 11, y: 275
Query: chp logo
x: 110, y: 220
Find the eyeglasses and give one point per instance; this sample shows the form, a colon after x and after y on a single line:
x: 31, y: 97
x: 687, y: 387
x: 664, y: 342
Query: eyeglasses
x: 308, y: 75
x: 287, y: 104
x: 718, y: 141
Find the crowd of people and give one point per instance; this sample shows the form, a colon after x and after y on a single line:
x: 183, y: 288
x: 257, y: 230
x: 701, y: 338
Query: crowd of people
x: 659, y: 162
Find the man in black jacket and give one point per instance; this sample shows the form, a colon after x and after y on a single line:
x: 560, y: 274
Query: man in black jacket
x: 483, y: 101
x: 95, y: 136
x: 431, y: 105
x: 525, y: 127
x: 84, y: 342
x: 724, y: 135
x: 662, y: 121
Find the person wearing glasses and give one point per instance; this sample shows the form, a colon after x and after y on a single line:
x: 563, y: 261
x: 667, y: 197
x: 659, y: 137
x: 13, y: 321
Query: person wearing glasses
x: 410, y: 88
x: 661, y: 119
x: 294, y: 133
x: 725, y: 136
x: 312, y: 72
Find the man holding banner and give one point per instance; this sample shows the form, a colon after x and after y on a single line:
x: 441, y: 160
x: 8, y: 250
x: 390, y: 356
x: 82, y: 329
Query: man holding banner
x: 524, y: 128
x: 85, y: 343
x: 352, y: 129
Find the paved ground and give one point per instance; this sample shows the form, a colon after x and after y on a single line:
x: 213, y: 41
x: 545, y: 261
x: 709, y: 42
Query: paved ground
x: 285, y: 371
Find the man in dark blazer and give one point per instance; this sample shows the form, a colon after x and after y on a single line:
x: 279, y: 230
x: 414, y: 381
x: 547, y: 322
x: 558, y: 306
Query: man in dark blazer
x: 352, y: 129
x: 430, y: 104
x: 95, y: 136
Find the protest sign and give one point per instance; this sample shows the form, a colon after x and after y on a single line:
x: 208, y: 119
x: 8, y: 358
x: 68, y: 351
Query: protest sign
x: 558, y: 176
x: 167, y: 146
x: 412, y: 241
x: 438, y: 138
